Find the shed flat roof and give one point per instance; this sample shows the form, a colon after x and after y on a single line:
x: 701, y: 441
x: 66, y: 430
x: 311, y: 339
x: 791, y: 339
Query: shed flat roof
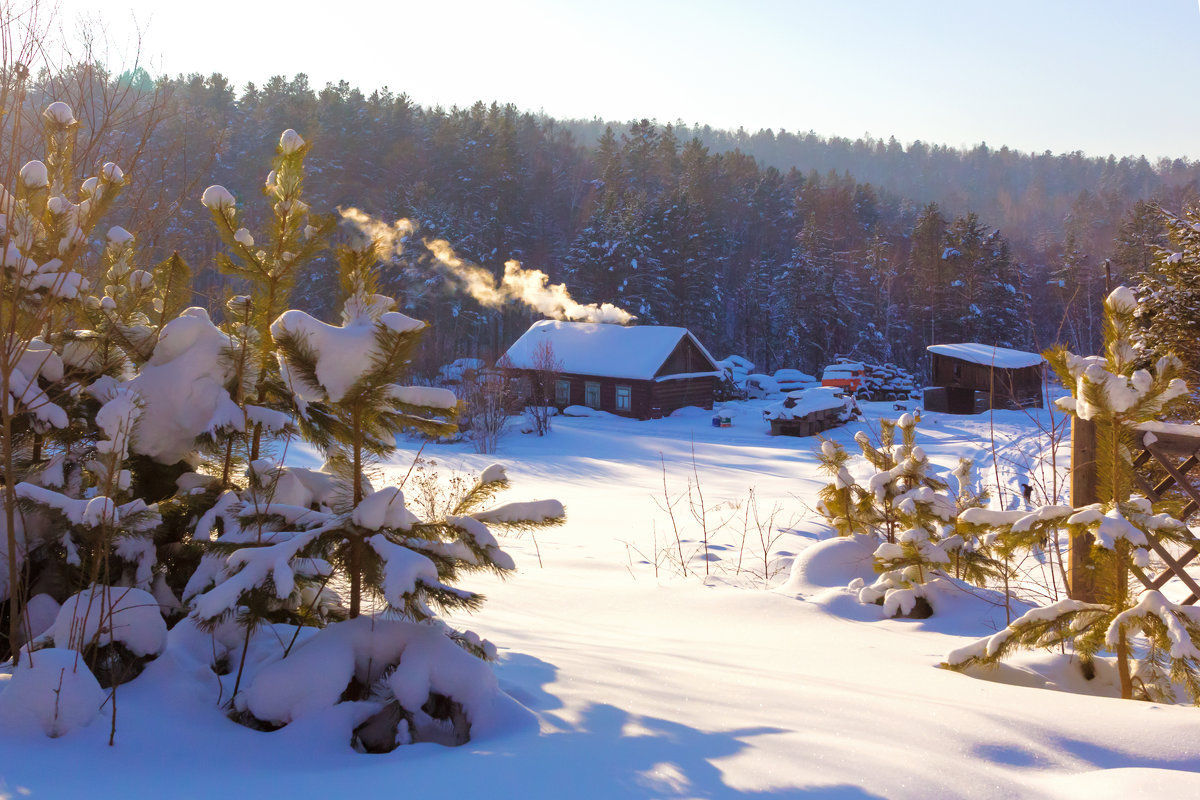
x: 987, y: 355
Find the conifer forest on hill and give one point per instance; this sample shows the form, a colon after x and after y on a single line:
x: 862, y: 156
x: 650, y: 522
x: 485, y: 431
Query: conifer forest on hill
x: 788, y: 248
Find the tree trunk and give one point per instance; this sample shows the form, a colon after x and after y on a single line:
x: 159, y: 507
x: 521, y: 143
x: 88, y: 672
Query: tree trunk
x: 10, y: 520
x: 355, y: 556
x: 1080, y: 570
x: 1122, y: 589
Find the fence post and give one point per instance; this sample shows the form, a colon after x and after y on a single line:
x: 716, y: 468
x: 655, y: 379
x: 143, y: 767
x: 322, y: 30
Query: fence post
x: 1080, y: 571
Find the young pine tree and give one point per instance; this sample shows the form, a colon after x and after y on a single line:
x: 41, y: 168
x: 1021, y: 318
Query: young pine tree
x: 1115, y: 395
x: 46, y: 222
x: 345, y: 383
x: 910, y: 512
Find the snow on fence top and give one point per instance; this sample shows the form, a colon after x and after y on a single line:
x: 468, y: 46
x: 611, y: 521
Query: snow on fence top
x: 594, y: 348
x: 987, y: 355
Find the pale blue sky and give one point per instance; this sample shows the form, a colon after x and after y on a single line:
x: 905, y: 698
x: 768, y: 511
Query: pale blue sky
x: 1098, y: 76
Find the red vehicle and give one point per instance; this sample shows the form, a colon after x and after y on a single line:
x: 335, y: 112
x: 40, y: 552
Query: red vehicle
x: 847, y: 375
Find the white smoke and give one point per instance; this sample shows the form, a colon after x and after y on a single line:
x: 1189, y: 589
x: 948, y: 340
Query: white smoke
x: 529, y: 286
x: 389, y: 239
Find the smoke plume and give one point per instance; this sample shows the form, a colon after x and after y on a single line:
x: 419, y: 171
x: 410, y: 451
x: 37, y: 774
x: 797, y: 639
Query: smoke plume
x: 529, y: 286
x: 388, y: 238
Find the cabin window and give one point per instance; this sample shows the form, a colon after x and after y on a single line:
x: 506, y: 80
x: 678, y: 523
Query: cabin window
x: 624, y: 398
x: 562, y: 393
x: 591, y: 394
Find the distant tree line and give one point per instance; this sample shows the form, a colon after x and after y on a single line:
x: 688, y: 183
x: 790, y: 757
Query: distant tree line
x: 790, y: 249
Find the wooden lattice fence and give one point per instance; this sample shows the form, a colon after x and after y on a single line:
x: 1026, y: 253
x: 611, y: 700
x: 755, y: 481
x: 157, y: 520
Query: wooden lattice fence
x: 1162, y: 470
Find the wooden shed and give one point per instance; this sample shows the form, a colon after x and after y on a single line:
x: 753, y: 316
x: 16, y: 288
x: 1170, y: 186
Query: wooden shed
x: 970, y: 378
x: 641, y: 371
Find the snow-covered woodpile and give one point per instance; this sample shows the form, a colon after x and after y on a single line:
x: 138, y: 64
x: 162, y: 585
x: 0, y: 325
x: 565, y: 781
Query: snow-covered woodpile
x: 810, y: 411
x: 887, y: 382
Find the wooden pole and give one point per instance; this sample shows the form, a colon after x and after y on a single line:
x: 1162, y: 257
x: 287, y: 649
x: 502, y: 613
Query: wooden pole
x: 1080, y: 570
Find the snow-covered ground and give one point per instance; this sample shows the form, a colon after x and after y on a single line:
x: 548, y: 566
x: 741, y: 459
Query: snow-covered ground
x: 645, y: 682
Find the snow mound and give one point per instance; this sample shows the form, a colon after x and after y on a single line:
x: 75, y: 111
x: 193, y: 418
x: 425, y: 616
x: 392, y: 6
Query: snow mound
x: 833, y: 562
x: 790, y: 380
x: 134, y: 620
x: 1049, y: 669
x: 758, y: 385
x: 217, y: 197
x: 34, y: 175
x: 535, y: 511
x: 693, y: 412
x: 585, y: 411
x: 51, y: 690
x: 429, y: 396
x: 406, y: 660
x: 60, y: 113
x: 290, y: 142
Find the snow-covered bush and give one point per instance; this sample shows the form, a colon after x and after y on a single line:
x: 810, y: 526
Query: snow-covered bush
x: 488, y: 405
x: 117, y: 628
x: 1116, y: 395
x: 909, y: 511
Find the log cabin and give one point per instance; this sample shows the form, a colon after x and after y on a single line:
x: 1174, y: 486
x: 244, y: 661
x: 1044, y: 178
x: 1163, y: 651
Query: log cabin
x: 640, y: 371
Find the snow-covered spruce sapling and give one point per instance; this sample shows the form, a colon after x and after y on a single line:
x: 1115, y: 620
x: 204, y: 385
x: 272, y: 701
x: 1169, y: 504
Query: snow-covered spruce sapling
x: 266, y: 271
x: 908, y: 510
x: 349, y: 402
x: 43, y: 241
x: 234, y: 485
x: 269, y: 266
x: 107, y: 539
x: 345, y: 381
x: 1115, y: 395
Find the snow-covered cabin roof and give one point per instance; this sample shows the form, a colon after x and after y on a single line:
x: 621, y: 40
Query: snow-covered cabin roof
x: 987, y: 355
x: 637, y: 352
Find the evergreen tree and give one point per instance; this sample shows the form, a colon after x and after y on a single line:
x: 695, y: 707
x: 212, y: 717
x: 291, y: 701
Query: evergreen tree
x: 1139, y: 236
x: 1071, y: 285
x: 928, y: 270
x: 1115, y: 395
x: 1169, y: 294
x: 910, y: 512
